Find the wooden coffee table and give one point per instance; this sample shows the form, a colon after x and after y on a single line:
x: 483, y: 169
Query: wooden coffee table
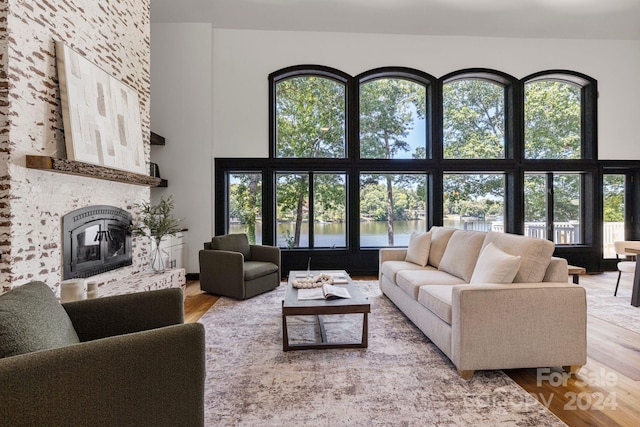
x: 291, y: 306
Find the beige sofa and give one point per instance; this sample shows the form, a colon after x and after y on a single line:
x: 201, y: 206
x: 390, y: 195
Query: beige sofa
x: 526, y: 316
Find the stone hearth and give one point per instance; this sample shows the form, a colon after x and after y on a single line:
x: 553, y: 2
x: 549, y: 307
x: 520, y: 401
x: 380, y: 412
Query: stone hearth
x: 146, y: 281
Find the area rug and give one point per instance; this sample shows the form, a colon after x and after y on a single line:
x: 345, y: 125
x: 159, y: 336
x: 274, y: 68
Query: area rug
x: 617, y: 310
x: 401, y: 379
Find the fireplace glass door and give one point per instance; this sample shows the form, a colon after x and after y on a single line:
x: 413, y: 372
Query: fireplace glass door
x: 96, y: 241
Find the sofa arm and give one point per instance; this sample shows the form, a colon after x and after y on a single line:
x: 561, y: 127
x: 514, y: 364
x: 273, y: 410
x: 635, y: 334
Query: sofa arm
x: 266, y: 254
x: 150, y: 378
x: 519, y: 325
x: 123, y: 314
x: 557, y: 271
x: 392, y: 254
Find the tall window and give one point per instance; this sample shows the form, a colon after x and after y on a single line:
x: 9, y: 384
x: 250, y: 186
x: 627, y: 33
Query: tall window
x: 554, y: 198
x: 535, y: 205
x: 329, y: 210
x: 554, y: 130
x: 567, y: 199
x: 474, y: 201
x: 613, y: 215
x: 292, y: 209
x: 474, y: 120
x: 303, y: 199
x: 245, y: 205
x: 392, y: 206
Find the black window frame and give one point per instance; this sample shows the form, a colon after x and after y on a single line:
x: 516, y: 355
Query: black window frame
x: 359, y: 260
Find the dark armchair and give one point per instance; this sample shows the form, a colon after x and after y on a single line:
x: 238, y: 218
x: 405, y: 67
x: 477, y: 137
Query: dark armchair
x: 230, y: 266
x: 125, y: 360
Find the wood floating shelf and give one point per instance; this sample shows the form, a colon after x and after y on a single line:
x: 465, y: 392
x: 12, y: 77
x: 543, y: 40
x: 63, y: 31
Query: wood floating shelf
x: 73, y: 167
x: 157, y: 139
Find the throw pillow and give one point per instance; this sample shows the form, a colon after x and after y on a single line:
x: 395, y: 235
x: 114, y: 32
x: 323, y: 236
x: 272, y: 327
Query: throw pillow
x: 418, y: 250
x: 536, y: 254
x: 32, y: 319
x: 495, y: 266
x: 439, y: 238
x: 461, y: 253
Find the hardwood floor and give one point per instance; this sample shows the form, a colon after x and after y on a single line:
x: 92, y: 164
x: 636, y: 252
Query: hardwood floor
x: 196, y: 302
x: 606, y: 391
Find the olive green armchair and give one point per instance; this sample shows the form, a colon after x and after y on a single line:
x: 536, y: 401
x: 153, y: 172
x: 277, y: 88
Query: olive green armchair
x: 231, y: 267
x: 126, y: 360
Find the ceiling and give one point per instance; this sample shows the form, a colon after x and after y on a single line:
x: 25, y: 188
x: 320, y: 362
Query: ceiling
x: 574, y: 19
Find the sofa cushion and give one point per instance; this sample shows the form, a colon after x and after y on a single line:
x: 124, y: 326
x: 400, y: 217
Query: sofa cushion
x: 32, y: 319
x: 391, y: 268
x: 410, y: 281
x: 536, y: 254
x: 495, y: 266
x: 439, y: 238
x: 438, y: 300
x: 237, y: 242
x: 461, y: 253
x: 255, y: 269
x: 418, y: 250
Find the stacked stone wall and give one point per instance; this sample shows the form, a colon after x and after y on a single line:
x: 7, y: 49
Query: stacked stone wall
x: 113, y: 34
x: 5, y: 182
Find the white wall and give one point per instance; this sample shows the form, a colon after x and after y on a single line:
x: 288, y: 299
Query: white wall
x: 221, y: 110
x: 243, y: 60
x: 181, y: 111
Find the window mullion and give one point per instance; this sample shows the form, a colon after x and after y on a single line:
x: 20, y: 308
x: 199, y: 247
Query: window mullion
x: 550, y: 206
x: 311, y: 210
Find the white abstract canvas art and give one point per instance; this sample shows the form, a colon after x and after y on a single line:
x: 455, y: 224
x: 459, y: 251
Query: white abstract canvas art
x: 100, y: 114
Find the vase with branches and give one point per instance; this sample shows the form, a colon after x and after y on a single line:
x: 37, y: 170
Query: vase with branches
x: 156, y: 222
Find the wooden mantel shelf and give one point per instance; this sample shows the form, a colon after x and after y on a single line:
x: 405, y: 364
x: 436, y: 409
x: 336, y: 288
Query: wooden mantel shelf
x: 73, y: 167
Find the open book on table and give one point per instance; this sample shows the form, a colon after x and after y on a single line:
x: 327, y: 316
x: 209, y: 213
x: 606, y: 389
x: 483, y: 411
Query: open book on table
x: 326, y: 291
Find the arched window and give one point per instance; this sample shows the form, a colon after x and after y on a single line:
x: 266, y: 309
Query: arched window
x: 393, y: 122
x: 559, y: 140
x: 552, y: 125
x: 474, y: 123
x: 310, y: 114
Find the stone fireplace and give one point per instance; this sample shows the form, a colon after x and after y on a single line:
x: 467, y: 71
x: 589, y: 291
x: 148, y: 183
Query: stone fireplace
x: 114, y: 36
x: 96, y: 239
x: 34, y: 203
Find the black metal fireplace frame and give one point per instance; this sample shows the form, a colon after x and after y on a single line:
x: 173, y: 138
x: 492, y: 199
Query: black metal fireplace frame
x: 107, y: 218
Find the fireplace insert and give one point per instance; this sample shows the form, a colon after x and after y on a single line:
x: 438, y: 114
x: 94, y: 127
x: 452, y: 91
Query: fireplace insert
x: 96, y: 239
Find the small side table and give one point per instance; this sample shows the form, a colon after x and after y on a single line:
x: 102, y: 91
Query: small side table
x: 576, y: 271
